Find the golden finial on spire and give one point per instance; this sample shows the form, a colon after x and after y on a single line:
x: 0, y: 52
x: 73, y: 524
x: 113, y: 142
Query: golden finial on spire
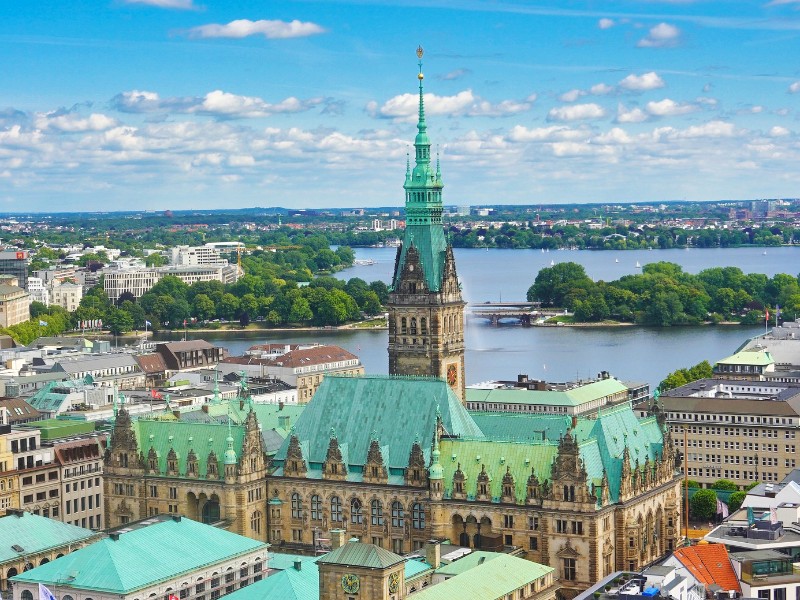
x: 420, y: 52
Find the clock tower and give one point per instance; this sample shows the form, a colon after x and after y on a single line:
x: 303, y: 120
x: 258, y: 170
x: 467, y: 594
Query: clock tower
x: 426, y: 310
x: 358, y: 571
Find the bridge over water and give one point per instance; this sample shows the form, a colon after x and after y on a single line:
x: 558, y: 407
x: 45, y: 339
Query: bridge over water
x: 525, y: 313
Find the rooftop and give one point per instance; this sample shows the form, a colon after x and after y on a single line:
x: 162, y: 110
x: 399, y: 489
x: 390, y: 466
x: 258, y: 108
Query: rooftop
x: 709, y: 563
x: 359, y: 554
x: 33, y: 534
x: 136, y: 558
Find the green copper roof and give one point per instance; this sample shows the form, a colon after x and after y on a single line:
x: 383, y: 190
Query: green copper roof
x: 431, y: 244
x: 574, y: 397
x: 414, y: 567
x: 183, y: 437
x: 289, y: 584
x: 494, y: 578
x: 397, y: 409
x: 496, y: 458
x: 144, y: 556
x: 36, y: 534
x: 465, y: 563
x: 358, y: 554
x: 534, y: 438
x: 753, y: 356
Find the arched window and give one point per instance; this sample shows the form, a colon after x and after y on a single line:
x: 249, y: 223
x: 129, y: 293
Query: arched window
x: 356, y: 516
x: 255, y: 521
x: 377, y: 512
x: 27, y: 595
x: 336, y: 509
x: 316, y: 508
x: 297, y: 506
x: 67, y: 597
x: 418, y: 516
x: 569, y: 493
x: 398, y: 515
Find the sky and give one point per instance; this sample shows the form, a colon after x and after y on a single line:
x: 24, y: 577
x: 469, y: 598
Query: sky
x: 198, y: 104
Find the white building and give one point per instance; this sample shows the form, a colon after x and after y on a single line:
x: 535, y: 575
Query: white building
x: 38, y: 291
x: 66, y: 294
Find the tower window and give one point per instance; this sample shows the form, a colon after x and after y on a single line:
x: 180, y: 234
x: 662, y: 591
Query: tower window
x: 413, y: 326
x: 423, y: 324
x: 403, y: 326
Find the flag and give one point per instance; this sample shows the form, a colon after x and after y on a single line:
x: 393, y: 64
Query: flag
x: 42, y: 323
x: 184, y: 322
x: 751, y: 518
x: 45, y: 594
x: 172, y: 597
x: 147, y: 323
x: 722, y: 509
x: 773, y: 515
x: 766, y: 315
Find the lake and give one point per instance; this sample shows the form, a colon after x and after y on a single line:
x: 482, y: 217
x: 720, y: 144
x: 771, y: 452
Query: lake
x: 555, y: 354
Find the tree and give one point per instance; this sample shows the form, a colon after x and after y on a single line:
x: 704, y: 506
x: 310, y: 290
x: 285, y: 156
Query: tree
x: 204, y: 307
x: 724, y: 484
x: 552, y: 284
x: 703, y: 505
x: 37, y: 308
x: 301, y: 311
x: 155, y: 260
x: 228, y: 307
x: 118, y: 321
x: 735, y: 500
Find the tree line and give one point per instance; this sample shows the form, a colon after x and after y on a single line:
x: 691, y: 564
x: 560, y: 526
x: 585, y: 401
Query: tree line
x: 663, y: 295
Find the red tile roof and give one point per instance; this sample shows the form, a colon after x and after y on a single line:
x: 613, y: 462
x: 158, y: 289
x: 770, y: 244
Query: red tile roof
x: 710, y: 564
x: 304, y: 357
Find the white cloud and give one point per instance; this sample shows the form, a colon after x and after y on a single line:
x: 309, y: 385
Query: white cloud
x: 605, y: 23
x: 217, y: 103
x: 669, y: 108
x: 781, y: 2
x: 712, y: 129
x: 615, y: 135
x: 576, y: 112
x: 73, y: 122
x: 778, y: 131
x: 270, y: 29
x: 711, y: 102
x: 521, y: 134
x: 634, y: 115
x: 642, y: 83
x: 180, y: 4
x: 571, y: 95
x: 662, y: 35
x: 794, y: 88
x: 601, y: 89
x: 405, y: 107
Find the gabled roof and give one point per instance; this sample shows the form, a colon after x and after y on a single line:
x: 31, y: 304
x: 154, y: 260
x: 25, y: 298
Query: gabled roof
x: 749, y: 356
x: 710, y: 564
x: 151, y: 363
x: 184, y: 436
x: 396, y: 409
x: 358, y: 554
x: 186, y: 346
x: 34, y: 534
x: 494, y: 578
x: 144, y: 556
x: 19, y: 410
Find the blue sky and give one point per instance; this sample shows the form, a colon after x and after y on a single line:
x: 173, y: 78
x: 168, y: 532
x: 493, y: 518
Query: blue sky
x: 156, y: 104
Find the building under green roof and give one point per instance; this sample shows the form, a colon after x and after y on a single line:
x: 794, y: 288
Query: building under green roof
x: 751, y: 356
x: 142, y: 557
x: 289, y: 584
x: 53, y: 429
x: 495, y: 578
x: 575, y: 397
x: 34, y: 534
x: 393, y: 410
x: 359, y: 554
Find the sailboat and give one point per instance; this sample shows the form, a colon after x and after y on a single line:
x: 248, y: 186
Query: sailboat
x: 638, y: 266
x: 552, y: 263
x: 616, y: 260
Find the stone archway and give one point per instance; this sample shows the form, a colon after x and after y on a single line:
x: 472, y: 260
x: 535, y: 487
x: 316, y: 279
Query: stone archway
x: 211, y: 512
x: 459, y: 531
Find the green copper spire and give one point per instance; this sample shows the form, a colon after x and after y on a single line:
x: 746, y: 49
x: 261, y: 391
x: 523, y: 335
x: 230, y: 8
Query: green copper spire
x: 230, y: 453
x: 423, y: 189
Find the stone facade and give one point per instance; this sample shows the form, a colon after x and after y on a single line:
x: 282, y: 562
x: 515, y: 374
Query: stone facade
x: 156, y: 467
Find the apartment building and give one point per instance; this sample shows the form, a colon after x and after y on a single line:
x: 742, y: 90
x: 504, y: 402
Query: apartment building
x: 14, y: 303
x: 740, y: 430
x: 68, y: 295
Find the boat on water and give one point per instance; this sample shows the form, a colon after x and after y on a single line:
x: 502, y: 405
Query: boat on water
x: 363, y: 262
x: 552, y: 263
x: 616, y: 260
x: 638, y: 266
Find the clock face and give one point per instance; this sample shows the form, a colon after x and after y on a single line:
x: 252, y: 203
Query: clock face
x: 351, y: 583
x: 452, y: 375
x: 394, y: 583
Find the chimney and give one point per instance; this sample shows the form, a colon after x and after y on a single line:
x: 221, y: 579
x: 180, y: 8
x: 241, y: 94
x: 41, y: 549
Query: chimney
x: 241, y: 404
x: 298, y: 565
x: 205, y: 408
x: 114, y: 536
x: 433, y: 553
x: 176, y: 414
x: 176, y: 518
x: 574, y: 421
x: 280, y: 405
x: 522, y: 378
x: 337, y: 538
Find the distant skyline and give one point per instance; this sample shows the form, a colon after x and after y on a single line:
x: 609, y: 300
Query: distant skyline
x: 199, y: 104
